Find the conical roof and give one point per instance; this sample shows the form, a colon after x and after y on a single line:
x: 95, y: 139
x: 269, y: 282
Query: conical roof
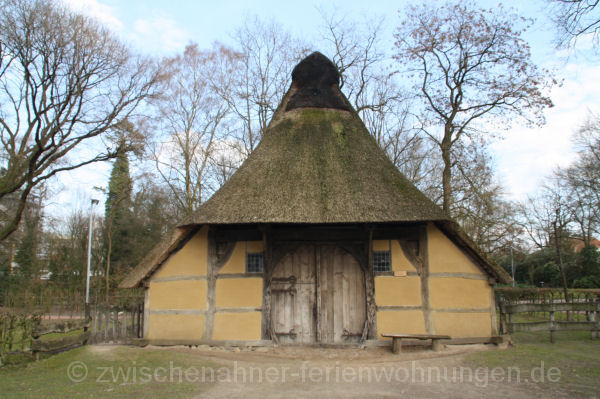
x: 316, y: 163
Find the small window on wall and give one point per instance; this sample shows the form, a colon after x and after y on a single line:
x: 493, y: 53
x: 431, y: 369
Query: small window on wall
x: 254, y: 262
x: 382, y: 261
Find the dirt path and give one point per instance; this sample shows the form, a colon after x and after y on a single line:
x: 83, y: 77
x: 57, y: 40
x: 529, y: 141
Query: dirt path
x: 373, y: 373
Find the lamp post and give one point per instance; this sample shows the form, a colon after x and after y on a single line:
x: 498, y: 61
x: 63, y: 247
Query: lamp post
x: 89, y: 257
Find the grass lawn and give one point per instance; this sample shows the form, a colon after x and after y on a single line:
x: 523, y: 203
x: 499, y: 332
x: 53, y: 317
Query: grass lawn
x: 116, y: 372
x: 574, y: 354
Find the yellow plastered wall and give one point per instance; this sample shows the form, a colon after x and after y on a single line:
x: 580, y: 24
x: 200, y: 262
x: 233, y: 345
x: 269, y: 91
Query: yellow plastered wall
x: 401, y: 321
x: 189, y: 260
x: 399, y: 260
x: 381, y: 245
x: 445, y: 256
x: 237, y: 261
x: 397, y: 291
x: 454, y: 292
x: 175, y: 326
x: 187, y: 294
x: 462, y: 325
x: 237, y: 326
x: 239, y: 292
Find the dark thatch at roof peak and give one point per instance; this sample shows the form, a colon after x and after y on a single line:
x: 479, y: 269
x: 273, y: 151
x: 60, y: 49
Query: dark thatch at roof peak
x: 315, y: 81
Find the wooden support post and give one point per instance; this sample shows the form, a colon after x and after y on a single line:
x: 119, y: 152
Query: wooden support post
x: 318, y: 292
x: 211, y: 284
x: 370, y: 287
x: 396, y: 345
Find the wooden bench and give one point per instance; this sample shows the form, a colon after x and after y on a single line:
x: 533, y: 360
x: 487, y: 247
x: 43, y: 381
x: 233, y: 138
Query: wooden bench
x: 397, y: 340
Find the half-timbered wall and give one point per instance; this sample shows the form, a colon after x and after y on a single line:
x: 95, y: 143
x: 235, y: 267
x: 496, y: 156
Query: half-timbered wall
x: 398, y: 294
x: 439, y: 290
x: 460, y: 293
x: 177, y: 293
x: 238, y: 297
x: 204, y: 293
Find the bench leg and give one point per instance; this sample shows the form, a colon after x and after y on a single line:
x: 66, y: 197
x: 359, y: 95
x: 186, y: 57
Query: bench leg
x: 396, y: 345
x: 436, y: 345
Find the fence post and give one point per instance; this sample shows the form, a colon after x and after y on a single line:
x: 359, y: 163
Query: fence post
x: 552, y: 327
x: 596, y: 315
x: 124, y: 324
x: 115, y: 324
x: 106, y: 321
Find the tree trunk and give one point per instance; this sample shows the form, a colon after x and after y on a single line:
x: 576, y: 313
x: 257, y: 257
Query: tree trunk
x: 108, y: 251
x: 446, y: 174
x: 560, y: 262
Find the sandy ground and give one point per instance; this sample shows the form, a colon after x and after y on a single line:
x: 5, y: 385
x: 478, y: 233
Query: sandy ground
x: 302, y: 372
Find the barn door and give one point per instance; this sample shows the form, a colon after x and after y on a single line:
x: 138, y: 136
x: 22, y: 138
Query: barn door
x: 293, y: 296
x: 318, y: 295
x: 340, y: 296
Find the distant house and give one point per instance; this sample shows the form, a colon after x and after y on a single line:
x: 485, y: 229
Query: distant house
x: 577, y: 244
x: 316, y: 239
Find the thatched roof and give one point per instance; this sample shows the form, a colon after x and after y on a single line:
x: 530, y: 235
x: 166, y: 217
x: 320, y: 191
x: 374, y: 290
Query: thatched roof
x: 316, y: 163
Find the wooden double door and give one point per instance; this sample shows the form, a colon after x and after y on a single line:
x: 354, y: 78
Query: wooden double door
x: 318, y: 296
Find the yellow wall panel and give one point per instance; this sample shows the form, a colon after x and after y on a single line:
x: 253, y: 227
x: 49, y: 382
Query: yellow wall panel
x: 239, y: 292
x: 445, y: 256
x: 187, y: 294
x: 454, y: 292
x: 172, y: 326
x: 399, y: 260
x: 398, y: 291
x: 461, y: 325
x: 237, y: 261
x: 381, y: 245
x: 400, y: 322
x: 237, y: 326
x: 189, y: 260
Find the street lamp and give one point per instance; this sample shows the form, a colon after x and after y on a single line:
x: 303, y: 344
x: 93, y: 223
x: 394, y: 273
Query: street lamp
x: 89, y: 257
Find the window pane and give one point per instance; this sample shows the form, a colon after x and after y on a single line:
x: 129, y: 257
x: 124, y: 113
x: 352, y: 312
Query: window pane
x: 381, y: 261
x: 254, y: 262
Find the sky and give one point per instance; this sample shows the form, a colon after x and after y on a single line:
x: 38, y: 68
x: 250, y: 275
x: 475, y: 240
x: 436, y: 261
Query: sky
x: 523, y: 157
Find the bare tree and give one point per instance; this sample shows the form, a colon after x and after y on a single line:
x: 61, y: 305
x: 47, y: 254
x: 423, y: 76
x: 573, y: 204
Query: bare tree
x: 262, y: 74
x: 575, y: 19
x: 546, y: 218
x: 193, y: 119
x: 64, y: 82
x: 468, y: 65
x: 582, y: 180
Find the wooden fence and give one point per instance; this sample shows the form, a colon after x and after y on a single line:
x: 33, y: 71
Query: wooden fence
x: 67, y: 340
x: 574, y: 316
x: 116, y: 324
x: 24, y: 331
